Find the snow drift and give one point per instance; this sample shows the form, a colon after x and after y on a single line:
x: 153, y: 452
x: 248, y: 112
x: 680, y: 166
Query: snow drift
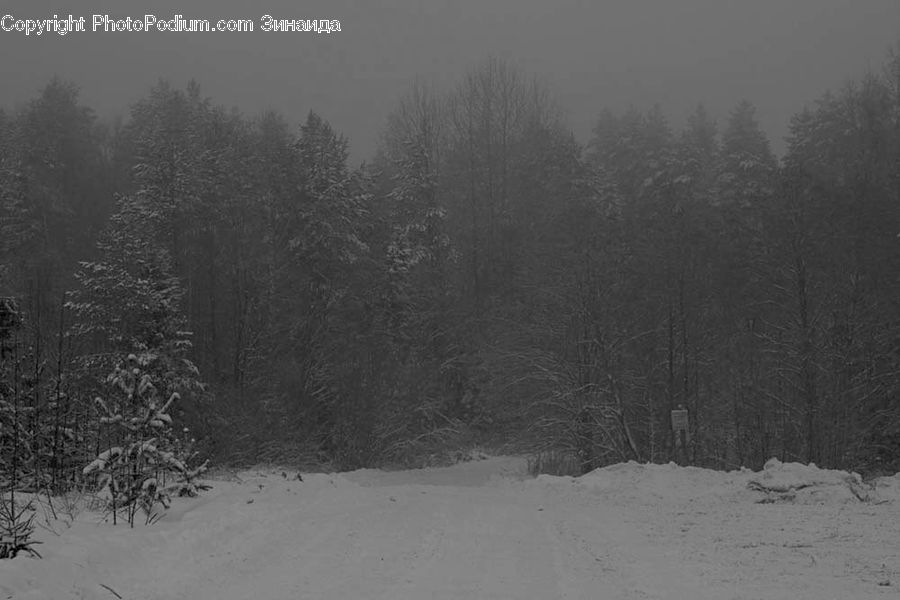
x: 777, y: 482
x: 807, y: 484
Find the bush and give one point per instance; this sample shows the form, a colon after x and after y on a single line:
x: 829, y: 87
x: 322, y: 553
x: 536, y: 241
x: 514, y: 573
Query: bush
x: 554, y: 462
x: 16, y: 528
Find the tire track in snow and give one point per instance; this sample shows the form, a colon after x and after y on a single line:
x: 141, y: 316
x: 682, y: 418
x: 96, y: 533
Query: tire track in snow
x: 607, y: 546
x: 492, y: 546
x: 566, y: 580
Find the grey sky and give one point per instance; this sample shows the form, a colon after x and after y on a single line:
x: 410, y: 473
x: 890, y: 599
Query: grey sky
x: 779, y: 54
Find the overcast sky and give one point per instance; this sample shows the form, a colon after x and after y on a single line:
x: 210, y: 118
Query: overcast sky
x: 779, y: 54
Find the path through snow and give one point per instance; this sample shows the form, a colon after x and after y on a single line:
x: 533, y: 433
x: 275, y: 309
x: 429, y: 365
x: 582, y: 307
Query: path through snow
x: 478, y: 531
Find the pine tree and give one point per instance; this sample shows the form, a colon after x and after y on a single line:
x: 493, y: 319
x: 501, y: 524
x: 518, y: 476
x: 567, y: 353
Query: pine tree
x: 318, y: 302
x: 128, y: 301
x: 837, y: 223
x: 138, y: 427
x: 747, y: 166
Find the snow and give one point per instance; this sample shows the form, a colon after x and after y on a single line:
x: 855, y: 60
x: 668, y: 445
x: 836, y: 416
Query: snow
x: 483, y: 530
x: 808, y: 484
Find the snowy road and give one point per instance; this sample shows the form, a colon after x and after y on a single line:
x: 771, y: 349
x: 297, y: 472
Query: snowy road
x: 419, y: 536
x: 474, y: 532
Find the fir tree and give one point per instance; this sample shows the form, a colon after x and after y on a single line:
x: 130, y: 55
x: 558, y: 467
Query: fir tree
x: 137, y: 424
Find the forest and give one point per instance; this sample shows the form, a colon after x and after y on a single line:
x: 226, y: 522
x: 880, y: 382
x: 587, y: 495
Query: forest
x: 190, y: 283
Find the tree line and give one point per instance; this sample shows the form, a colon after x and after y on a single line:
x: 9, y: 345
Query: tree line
x: 484, y: 278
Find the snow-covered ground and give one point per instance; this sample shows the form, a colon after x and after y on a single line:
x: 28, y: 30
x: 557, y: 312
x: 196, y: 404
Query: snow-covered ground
x: 481, y: 530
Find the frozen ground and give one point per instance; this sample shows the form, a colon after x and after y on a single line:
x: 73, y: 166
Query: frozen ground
x: 481, y: 531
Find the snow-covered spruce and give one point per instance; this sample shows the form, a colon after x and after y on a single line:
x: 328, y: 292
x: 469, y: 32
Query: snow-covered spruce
x: 188, y: 482
x: 142, y: 450
x: 16, y: 528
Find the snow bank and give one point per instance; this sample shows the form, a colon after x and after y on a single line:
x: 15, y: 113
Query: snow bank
x: 668, y: 481
x: 887, y: 490
x: 634, y: 483
x: 807, y: 484
x: 776, y: 482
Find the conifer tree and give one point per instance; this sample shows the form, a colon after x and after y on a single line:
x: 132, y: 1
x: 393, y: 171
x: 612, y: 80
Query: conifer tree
x: 139, y: 450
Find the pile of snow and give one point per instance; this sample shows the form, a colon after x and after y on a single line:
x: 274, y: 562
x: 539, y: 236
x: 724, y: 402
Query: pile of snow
x: 886, y: 490
x: 667, y: 481
x: 807, y: 484
x: 633, y: 482
x: 777, y: 482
